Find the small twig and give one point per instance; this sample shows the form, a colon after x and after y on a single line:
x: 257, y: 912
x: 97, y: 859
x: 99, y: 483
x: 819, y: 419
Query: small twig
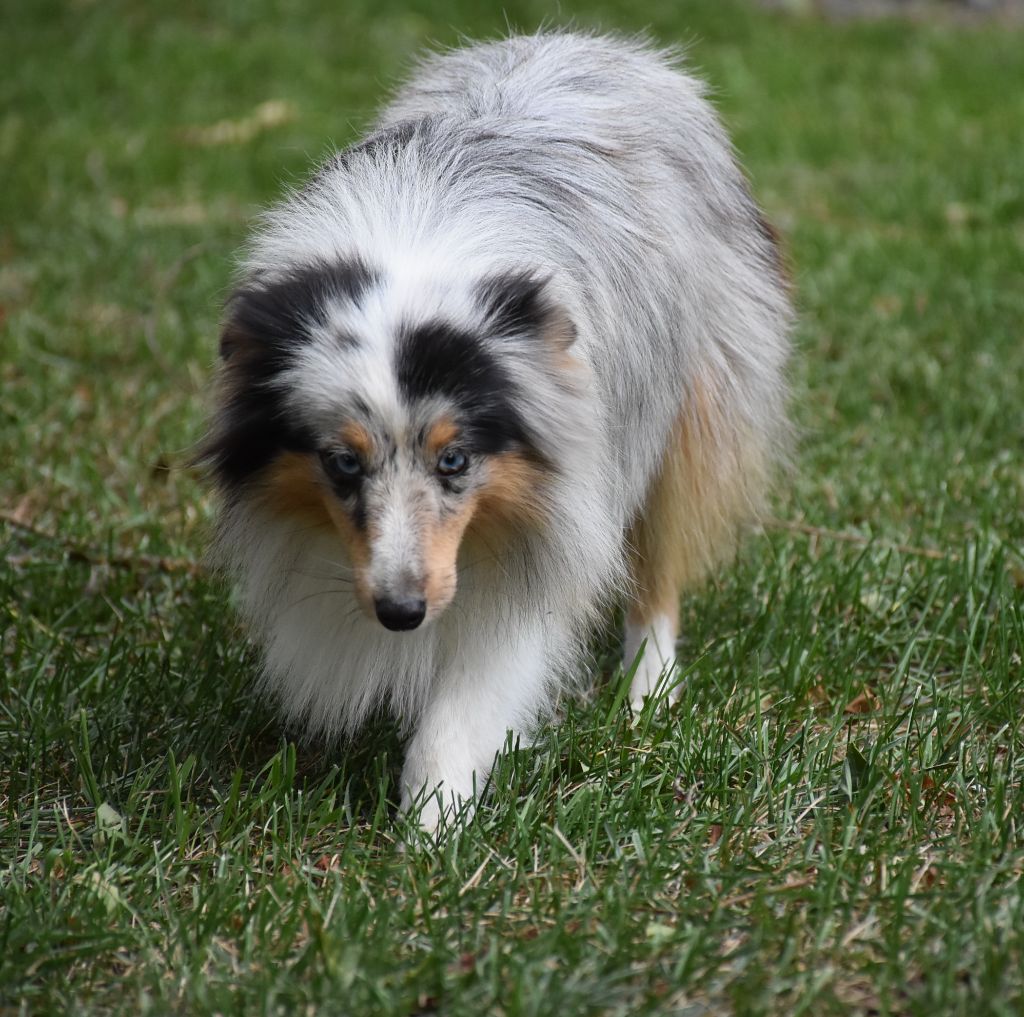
x: 859, y: 539
x: 88, y: 556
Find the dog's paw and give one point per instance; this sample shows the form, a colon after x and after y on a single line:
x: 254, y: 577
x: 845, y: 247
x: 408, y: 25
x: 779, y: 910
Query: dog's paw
x: 435, y: 813
x: 654, y: 680
x: 650, y: 651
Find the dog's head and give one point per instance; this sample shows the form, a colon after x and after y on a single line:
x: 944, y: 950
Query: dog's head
x: 402, y: 412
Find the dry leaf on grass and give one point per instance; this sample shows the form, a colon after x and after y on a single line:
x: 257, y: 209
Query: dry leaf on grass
x: 866, y: 702
x: 236, y: 132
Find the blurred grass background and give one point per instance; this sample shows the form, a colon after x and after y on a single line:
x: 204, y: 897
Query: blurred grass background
x: 828, y: 822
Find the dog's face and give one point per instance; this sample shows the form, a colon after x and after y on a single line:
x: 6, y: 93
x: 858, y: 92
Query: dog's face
x: 395, y: 412
x: 401, y: 494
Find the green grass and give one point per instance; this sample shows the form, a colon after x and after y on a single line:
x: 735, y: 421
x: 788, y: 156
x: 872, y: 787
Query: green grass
x: 829, y: 822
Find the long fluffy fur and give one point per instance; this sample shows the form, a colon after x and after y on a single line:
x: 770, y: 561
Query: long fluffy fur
x: 571, y: 202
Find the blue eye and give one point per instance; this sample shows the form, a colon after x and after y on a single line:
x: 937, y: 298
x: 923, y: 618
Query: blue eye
x: 343, y: 466
x: 452, y: 463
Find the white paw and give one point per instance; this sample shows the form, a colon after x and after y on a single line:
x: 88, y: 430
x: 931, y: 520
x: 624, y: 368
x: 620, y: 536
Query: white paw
x: 652, y: 678
x: 436, y: 812
x: 656, y: 670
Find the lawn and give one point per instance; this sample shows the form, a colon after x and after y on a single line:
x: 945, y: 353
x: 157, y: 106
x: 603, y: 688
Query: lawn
x: 830, y: 821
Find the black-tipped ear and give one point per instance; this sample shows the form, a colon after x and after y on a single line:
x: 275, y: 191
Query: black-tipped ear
x: 263, y: 328
x: 279, y: 313
x: 520, y: 304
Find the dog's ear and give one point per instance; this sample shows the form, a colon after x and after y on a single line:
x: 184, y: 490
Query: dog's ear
x: 274, y: 316
x: 255, y: 323
x: 519, y: 304
x: 262, y: 328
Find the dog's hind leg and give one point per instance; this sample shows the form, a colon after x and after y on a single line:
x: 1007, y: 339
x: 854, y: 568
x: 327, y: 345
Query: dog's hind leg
x: 652, y: 616
x: 711, y: 479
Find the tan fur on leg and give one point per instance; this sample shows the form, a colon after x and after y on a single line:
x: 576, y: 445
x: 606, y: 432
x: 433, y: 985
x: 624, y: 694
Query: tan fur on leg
x: 712, y: 479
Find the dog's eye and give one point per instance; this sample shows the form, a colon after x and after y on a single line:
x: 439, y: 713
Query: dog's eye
x: 343, y: 466
x: 452, y: 463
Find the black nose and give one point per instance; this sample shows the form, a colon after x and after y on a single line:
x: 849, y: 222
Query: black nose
x: 400, y: 615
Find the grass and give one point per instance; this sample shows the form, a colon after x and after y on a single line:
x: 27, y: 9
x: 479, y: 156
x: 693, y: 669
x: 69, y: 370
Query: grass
x: 829, y: 822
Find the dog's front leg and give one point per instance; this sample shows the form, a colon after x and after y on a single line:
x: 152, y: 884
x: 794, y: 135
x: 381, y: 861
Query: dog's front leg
x: 494, y: 684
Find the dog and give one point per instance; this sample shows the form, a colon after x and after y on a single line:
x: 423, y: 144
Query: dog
x: 516, y: 354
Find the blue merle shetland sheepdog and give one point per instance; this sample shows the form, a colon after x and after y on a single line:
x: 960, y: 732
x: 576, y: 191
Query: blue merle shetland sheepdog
x: 517, y: 353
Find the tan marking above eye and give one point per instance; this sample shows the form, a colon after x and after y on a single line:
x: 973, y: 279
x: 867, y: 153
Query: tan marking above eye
x: 439, y: 435
x: 357, y: 438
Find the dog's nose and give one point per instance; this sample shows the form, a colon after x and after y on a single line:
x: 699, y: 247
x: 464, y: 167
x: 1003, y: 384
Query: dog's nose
x: 400, y: 615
